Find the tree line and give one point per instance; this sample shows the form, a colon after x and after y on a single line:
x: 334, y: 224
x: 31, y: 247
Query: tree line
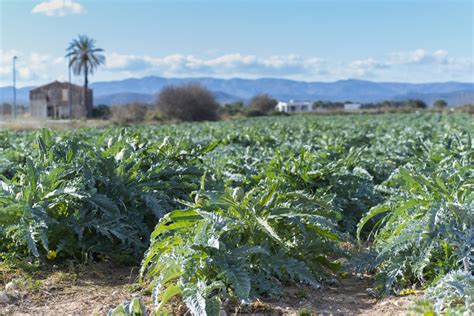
x: 188, y: 102
x: 194, y: 102
x: 387, y: 104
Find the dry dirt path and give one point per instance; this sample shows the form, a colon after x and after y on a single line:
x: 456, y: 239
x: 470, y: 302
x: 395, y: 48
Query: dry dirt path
x: 94, y: 289
x: 347, y: 297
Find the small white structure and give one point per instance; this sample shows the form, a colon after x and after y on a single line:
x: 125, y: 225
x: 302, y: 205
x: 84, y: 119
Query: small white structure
x: 352, y: 106
x: 294, y: 107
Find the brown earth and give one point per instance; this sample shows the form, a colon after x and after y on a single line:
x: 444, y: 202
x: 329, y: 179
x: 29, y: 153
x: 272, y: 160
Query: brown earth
x: 94, y: 289
x: 32, y: 124
x: 347, y: 297
x: 86, y: 290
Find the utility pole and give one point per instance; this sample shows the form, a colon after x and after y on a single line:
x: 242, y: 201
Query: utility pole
x: 14, y: 88
x: 69, y: 87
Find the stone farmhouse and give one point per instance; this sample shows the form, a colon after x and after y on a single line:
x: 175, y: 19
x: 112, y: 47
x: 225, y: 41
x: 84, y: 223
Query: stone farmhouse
x: 51, y: 101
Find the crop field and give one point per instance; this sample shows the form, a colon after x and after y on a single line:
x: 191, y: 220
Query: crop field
x: 217, y: 215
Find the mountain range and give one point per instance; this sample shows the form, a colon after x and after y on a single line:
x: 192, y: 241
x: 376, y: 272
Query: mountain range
x: 237, y: 89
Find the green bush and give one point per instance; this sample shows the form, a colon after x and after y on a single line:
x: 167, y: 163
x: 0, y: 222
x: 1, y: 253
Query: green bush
x: 421, y: 235
x: 101, y: 111
x: 254, y: 113
x: 74, y: 199
x: 237, y: 245
x: 278, y: 113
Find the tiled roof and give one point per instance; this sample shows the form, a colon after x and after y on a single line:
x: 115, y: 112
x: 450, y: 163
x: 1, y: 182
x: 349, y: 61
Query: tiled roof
x: 54, y: 84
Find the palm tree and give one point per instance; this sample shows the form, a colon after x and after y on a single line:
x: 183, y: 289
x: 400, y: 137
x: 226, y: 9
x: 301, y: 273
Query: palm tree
x: 84, y: 58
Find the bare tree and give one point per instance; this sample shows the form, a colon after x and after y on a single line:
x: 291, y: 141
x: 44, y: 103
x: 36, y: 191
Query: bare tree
x: 190, y: 102
x: 131, y: 113
x: 263, y: 102
x: 416, y: 104
x: 440, y: 104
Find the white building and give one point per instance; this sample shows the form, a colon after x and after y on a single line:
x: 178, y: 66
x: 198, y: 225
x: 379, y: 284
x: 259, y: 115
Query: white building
x: 352, y: 106
x: 294, y: 107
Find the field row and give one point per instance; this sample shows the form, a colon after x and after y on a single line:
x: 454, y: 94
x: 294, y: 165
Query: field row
x: 222, y: 213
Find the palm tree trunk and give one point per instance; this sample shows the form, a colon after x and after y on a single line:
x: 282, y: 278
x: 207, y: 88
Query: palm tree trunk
x: 85, y: 98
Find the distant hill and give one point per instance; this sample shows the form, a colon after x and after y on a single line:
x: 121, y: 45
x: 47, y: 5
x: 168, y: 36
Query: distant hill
x: 22, y: 95
x: 123, y: 98
x: 229, y: 90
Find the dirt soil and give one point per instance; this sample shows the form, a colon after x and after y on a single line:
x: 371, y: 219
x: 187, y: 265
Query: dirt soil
x: 87, y: 290
x: 26, y: 124
x: 94, y: 289
x: 346, y: 297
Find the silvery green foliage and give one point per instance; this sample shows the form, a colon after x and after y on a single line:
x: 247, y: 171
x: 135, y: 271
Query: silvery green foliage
x: 135, y: 307
x: 244, y: 206
x: 78, y: 198
x: 425, y: 227
x: 455, y: 291
x: 239, y: 244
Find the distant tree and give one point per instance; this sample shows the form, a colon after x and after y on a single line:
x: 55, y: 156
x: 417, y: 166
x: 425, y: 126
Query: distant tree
x: 440, y: 104
x: 190, y: 102
x: 252, y: 112
x: 233, y: 109
x: 85, y: 58
x: 467, y: 108
x: 263, y: 103
x: 328, y: 105
x: 387, y: 104
x: 318, y: 104
x: 416, y: 104
x: 101, y: 111
x: 131, y: 113
x: 6, y: 108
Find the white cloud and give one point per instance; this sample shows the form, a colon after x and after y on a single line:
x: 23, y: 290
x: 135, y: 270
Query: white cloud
x: 367, y: 63
x: 417, y: 63
x: 26, y: 73
x: 440, y: 54
x: 412, y: 57
x: 60, y: 61
x: 6, y: 65
x: 364, y: 67
x: 58, y: 8
x: 423, y: 57
x: 120, y: 62
x: 39, y: 60
x: 30, y: 68
x: 7, y: 56
x: 228, y: 65
x: 414, y: 66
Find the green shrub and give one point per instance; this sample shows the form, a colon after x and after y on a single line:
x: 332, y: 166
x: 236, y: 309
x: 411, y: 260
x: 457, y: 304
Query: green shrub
x: 254, y: 113
x: 74, y: 199
x: 422, y: 234
x: 101, y: 111
x: 237, y: 245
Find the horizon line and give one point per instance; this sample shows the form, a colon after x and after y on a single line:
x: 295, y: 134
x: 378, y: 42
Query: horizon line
x: 251, y: 79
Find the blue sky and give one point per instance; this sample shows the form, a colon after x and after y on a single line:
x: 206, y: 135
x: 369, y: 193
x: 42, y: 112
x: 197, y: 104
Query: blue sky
x: 321, y: 40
